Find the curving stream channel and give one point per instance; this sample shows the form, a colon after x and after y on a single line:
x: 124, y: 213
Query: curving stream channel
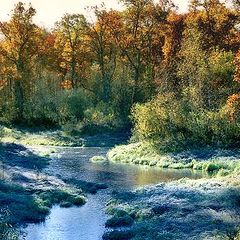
x: 87, y: 222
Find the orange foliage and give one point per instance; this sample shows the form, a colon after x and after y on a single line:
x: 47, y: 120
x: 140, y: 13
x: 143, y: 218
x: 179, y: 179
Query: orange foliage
x: 173, y: 36
x: 66, y: 84
x: 237, y: 63
x: 233, y: 103
x: 217, y: 22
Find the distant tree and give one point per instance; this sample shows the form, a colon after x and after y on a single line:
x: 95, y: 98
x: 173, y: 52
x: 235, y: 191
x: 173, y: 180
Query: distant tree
x: 104, y: 48
x: 217, y: 22
x: 18, y: 50
x: 70, y: 47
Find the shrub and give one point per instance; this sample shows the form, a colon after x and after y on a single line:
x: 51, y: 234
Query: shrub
x: 168, y: 122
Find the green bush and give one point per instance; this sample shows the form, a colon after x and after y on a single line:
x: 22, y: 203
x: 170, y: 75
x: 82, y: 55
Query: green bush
x: 169, y: 123
x: 100, y: 118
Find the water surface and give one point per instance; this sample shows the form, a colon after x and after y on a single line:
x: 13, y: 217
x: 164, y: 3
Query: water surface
x: 87, y: 222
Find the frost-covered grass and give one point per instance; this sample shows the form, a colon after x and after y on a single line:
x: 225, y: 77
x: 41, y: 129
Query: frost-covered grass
x: 7, y: 231
x: 27, y: 194
x: 33, y: 206
x: 185, y: 209
x: 222, y: 161
x: 100, y: 159
x: 202, y: 209
x: 45, y: 138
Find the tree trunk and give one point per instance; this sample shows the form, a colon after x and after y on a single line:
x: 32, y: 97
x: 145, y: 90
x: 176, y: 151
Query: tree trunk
x: 106, y: 89
x: 73, y: 73
x: 18, y: 91
x: 19, y: 100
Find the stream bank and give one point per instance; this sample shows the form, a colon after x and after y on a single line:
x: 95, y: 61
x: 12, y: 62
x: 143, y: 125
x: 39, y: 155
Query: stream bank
x: 145, y: 202
x: 199, y: 209
x: 88, y: 222
x: 27, y: 193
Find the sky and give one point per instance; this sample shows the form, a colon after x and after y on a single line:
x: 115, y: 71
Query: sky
x: 50, y: 11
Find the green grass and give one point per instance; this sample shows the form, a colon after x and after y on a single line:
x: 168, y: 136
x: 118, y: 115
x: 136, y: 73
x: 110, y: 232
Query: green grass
x: 33, y: 206
x: 144, y: 153
x: 39, y: 138
x: 96, y: 159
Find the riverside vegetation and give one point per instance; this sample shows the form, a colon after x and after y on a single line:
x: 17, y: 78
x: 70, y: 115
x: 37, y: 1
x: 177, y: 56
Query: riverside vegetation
x: 172, y: 78
x: 27, y: 193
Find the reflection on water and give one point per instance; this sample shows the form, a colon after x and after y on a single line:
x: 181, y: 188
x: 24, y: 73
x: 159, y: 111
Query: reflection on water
x: 76, y: 223
x: 87, y: 222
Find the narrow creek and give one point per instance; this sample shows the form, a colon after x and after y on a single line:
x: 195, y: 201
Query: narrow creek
x: 87, y: 222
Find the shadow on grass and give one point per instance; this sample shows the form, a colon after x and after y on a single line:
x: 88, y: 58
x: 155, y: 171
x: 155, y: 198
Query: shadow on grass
x: 21, y: 204
x: 87, y: 187
x: 27, y: 206
x: 17, y: 155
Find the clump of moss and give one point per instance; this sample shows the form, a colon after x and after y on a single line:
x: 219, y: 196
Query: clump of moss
x: 65, y: 204
x: 78, y: 200
x: 61, y: 196
x: 118, y: 235
x: 87, y: 187
x: 119, y: 221
x: 100, y: 159
x: 30, y: 206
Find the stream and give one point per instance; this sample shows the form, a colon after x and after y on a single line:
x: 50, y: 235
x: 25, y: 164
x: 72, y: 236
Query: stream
x: 87, y: 222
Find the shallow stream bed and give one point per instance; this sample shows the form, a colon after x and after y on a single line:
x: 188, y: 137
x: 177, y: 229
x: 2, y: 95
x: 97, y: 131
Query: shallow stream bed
x: 87, y: 222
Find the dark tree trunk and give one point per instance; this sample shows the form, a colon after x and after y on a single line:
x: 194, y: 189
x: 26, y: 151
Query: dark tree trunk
x: 19, y: 100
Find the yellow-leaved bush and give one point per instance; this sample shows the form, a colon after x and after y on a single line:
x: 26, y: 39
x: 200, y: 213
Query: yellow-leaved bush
x: 172, y: 125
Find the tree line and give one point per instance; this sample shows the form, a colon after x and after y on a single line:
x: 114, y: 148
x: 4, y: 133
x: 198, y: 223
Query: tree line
x: 147, y: 60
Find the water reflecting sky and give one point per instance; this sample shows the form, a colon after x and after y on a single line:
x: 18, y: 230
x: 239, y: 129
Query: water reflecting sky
x: 87, y: 222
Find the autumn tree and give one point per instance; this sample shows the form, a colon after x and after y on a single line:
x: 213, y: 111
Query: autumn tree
x: 141, y: 40
x: 70, y: 48
x: 18, y: 49
x: 173, y: 35
x: 217, y: 22
x: 104, y: 47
